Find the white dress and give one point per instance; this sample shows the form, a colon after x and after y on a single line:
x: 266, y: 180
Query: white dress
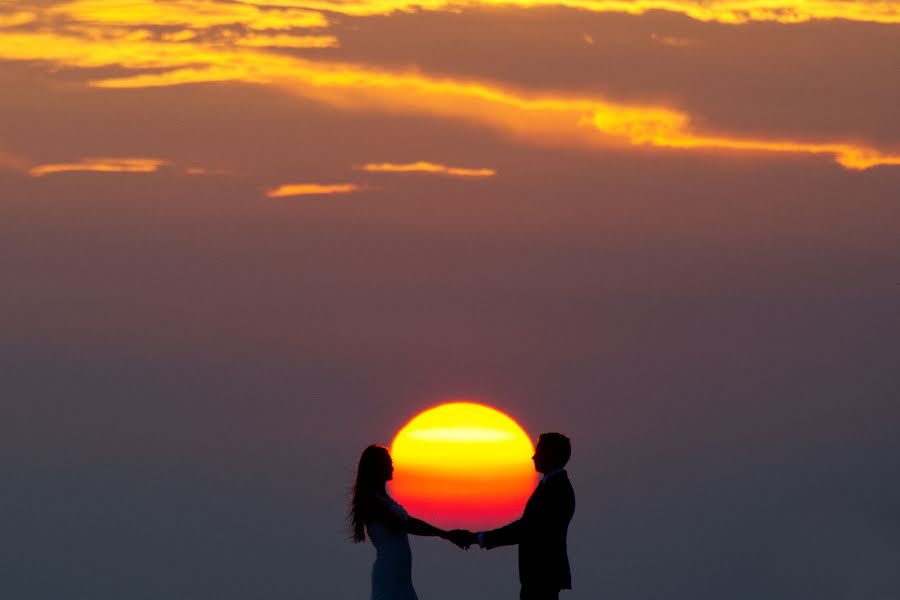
x: 392, y: 571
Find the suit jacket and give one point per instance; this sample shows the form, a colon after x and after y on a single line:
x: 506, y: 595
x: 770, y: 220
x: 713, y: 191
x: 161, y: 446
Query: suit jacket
x: 541, y: 535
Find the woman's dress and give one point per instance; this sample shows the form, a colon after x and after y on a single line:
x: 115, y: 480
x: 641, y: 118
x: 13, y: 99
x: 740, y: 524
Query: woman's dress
x: 392, y: 571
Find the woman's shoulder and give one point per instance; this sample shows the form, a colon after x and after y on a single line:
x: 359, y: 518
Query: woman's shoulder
x: 384, y: 505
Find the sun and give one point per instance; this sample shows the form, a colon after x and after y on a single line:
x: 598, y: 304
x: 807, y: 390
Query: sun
x: 463, y: 464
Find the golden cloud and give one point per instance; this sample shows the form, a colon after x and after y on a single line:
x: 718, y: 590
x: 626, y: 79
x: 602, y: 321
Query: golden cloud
x: 723, y: 11
x: 101, y: 165
x: 554, y: 119
x: 312, y: 189
x: 16, y: 18
x: 426, y: 167
x: 195, y: 13
x: 287, y: 41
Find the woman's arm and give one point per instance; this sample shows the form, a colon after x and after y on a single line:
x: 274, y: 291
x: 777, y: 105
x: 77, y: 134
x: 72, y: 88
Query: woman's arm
x: 416, y: 526
x: 458, y: 537
x: 383, y: 511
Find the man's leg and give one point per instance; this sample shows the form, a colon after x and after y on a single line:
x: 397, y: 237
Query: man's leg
x: 534, y: 593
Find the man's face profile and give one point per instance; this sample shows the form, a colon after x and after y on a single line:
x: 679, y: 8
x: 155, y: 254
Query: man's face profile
x: 540, y: 458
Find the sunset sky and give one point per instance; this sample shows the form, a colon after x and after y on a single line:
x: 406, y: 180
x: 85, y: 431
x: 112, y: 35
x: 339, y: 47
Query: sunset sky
x: 240, y: 240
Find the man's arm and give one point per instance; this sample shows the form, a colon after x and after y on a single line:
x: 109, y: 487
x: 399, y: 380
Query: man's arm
x: 462, y: 538
x: 505, y: 536
x: 560, y: 507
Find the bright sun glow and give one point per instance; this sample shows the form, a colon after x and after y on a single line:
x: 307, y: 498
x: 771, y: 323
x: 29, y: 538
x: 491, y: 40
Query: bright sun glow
x: 463, y: 464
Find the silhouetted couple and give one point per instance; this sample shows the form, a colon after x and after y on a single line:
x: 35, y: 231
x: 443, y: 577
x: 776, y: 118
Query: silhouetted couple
x: 540, y: 533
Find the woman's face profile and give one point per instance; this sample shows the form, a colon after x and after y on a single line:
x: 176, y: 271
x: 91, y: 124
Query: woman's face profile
x: 386, y: 467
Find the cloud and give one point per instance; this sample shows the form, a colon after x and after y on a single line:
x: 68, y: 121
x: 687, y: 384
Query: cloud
x: 182, y: 35
x: 287, y: 41
x: 561, y: 119
x: 16, y: 18
x: 195, y: 13
x: 101, y: 165
x: 723, y: 11
x: 550, y: 120
x: 426, y: 167
x: 674, y: 131
x: 312, y: 189
x: 672, y: 41
x: 198, y: 171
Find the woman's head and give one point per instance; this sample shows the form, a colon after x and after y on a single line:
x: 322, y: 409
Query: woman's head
x: 375, y: 468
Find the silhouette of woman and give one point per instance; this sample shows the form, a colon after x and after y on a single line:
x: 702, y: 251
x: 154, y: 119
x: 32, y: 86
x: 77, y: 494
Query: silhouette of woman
x: 388, y: 524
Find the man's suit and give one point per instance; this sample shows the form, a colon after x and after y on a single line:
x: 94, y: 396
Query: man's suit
x: 541, y: 536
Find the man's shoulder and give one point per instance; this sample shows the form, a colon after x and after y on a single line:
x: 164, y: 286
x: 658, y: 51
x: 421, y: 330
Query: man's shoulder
x: 559, y: 482
x: 559, y: 478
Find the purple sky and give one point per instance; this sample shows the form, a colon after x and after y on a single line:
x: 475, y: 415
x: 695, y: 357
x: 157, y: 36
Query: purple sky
x: 673, y: 235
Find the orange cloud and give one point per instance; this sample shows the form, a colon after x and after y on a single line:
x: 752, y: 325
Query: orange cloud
x: 198, y: 171
x: 426, y: 167
x: 101, y: 165
x: 723, y: 11
x: 672, y: 41
x: 312, y: 189
x: 675, y: 132
x: 196, y: 13
x: 179, y: 36
x: 555, y: 119
x: 16, y: 18
x: 260, y: 40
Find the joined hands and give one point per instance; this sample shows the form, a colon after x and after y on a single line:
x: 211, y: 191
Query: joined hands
x: 462, y: 538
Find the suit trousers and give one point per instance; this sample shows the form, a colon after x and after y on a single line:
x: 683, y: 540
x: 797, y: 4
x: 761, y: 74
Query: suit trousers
x: 538, y: 593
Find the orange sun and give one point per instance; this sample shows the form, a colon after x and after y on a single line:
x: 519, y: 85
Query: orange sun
x: 463, y: 464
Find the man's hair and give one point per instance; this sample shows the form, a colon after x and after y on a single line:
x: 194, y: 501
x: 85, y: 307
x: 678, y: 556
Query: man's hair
x: 558, y: 446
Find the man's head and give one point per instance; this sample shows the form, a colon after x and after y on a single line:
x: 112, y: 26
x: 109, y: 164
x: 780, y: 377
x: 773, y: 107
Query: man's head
x: 552, y: 452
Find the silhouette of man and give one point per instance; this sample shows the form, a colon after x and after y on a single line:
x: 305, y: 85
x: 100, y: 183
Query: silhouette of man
x: 541, y: 531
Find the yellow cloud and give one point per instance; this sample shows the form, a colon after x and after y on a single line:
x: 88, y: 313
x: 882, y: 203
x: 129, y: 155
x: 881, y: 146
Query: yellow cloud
x: 675, y: 133
x: 723, y: 11
x: 426, y: 167
x: 554, y: 119
x: 196, y: 13
x: 101, y: 165
x: 287, y: 41
x: 179, y: 36
x: 312, y: 189
x: 16, y: 18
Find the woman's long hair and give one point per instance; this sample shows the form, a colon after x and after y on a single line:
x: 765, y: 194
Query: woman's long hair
x: 370, y: 480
